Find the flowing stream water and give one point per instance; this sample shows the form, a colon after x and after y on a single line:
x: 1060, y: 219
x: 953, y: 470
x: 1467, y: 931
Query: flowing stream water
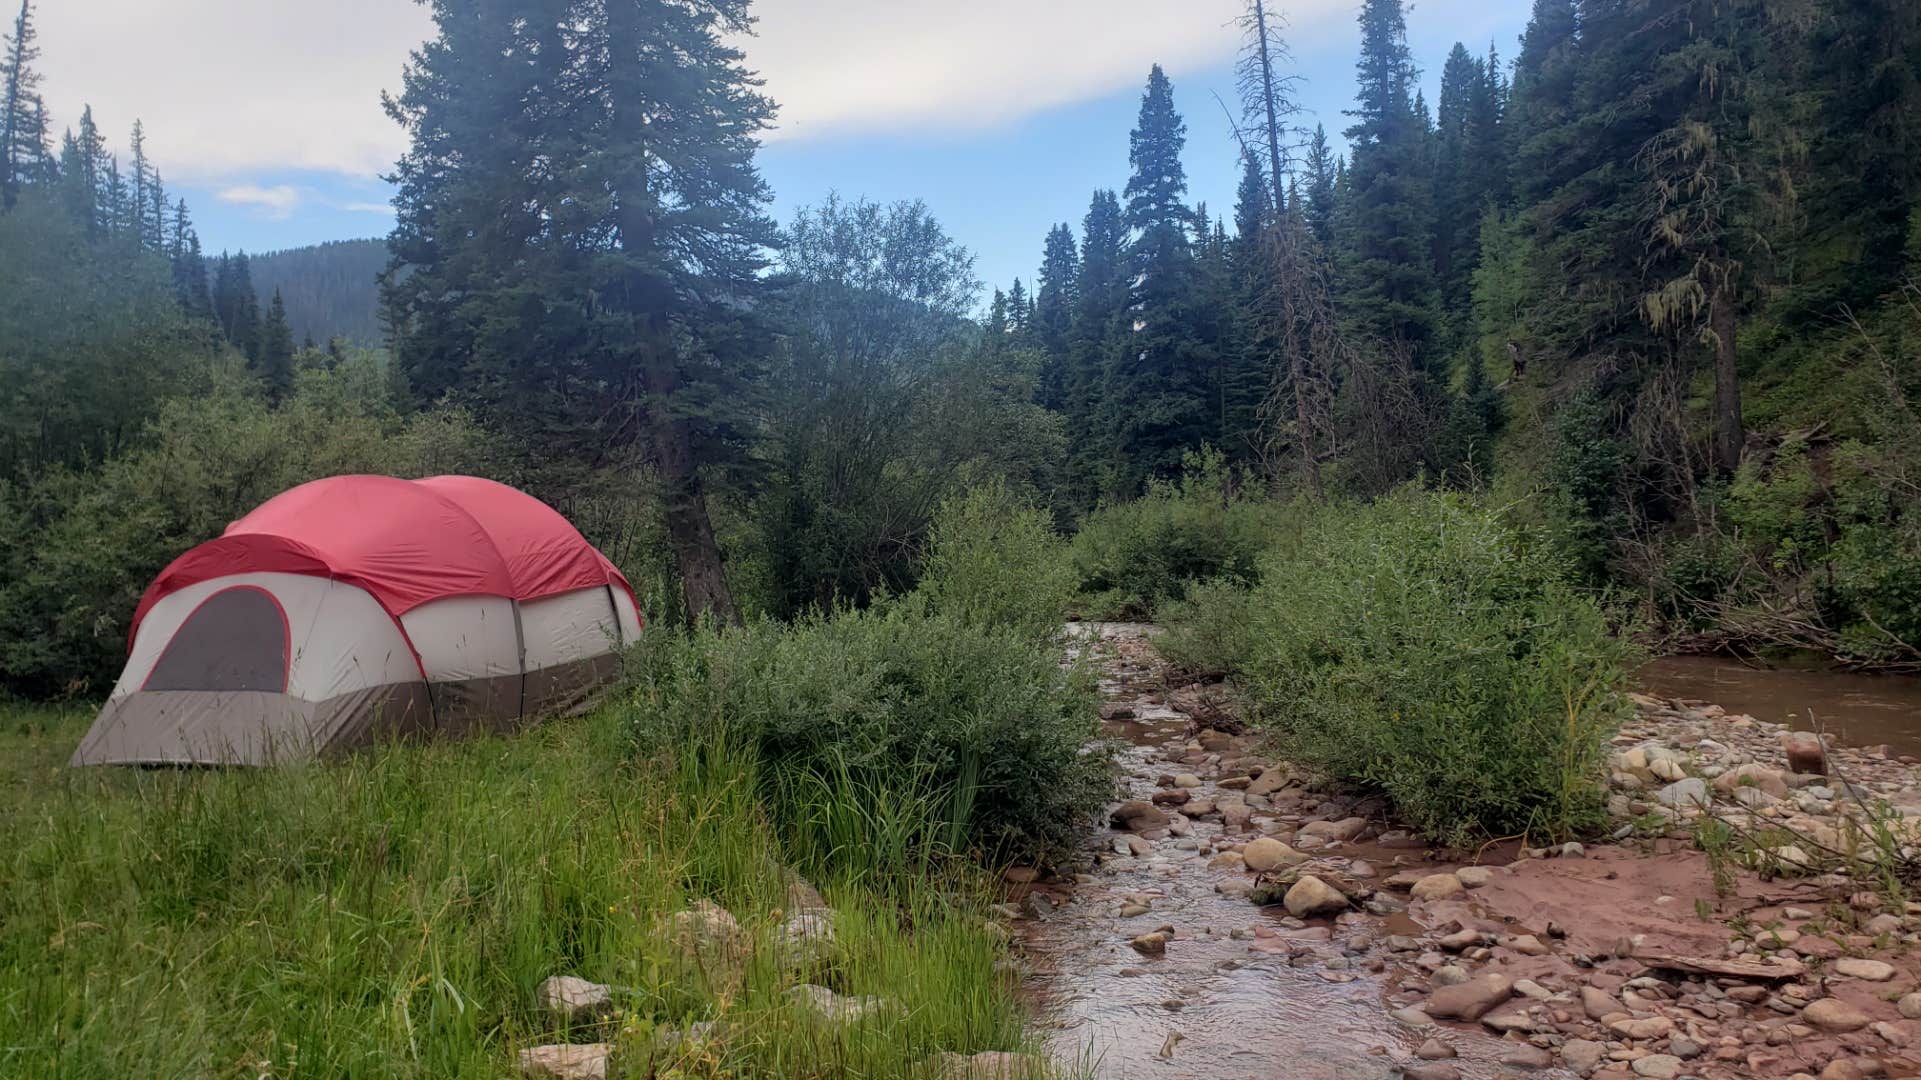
x: 1239, y: 992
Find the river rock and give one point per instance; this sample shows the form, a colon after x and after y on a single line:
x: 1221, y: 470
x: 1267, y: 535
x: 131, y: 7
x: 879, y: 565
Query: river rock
x: 1910, y: 1005
x: 1437, y: 887
x: 1834, y: 1016
x: 1599, y: 1004
x: 707, y: 935
x: 1138, y: 814
x: 572, y: 1001
x: 1854, y: 967
x: 1435, y: 1050
x: 1646, y: 1027
x: 1431, y: 1070
x: 1527, y: 1057
x: 1658, y: 1066
x: 1582, y: 1055
x: 1470, y: 1000
x: 1311, y: 896
x: 1187, y: 780
x: 1270, y: 781
x: 806, y: 938
x: 835, y: 1008
x: 1805, y: 752
x: 1475, y: 876
x: 1690, y: 792
x: 566, y: 1061
x: 1344, y: 829
x: 1151, y: 944
x: 1753, y: 775
x: 1267, y: 854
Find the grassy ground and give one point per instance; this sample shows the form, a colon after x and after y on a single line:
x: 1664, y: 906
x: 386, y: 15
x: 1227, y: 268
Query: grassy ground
x: 391, y: 915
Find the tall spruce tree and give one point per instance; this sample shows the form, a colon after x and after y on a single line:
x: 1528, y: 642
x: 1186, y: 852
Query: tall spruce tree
x: 581, y: 177
x: 23, y: 135
x: 1387, y: 258
x: 1157, y: 394
x: 1319, y: 211
x: 275, y: 365
x: 1098, y: 325
x: 1459, y: 188
x: 1056, y: 298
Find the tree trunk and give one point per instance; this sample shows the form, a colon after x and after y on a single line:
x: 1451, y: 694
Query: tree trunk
x: 703, y: 581
x: 1728, y: 433
x: 1270, y: 101
x: 649, y: 298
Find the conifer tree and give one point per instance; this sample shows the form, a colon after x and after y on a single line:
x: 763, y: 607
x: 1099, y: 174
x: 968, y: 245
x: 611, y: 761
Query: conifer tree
x: 584, y: 175
x: 1056, y: 299
x: 1321, y: 169
x: 1098, y: 326
x: 275, y: 364
x: 139, y: 199
x: 1387, y: 258
x: 1156, y: 396
x: 22, y: 116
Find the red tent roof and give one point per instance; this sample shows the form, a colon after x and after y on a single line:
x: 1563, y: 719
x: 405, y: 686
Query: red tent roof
x: 404, y: 541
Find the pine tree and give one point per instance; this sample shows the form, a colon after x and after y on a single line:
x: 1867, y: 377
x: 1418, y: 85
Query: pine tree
x: 1156, y: 388
x: 236, y: 305
x: 584, y: 174
x: 1020, y: 311
x: 1098, y: 325
x: 1387, y: 272
x: 1055, y: 301
x: 1321, y: 169
x: 276, y: 351
x: 1541, y: 103
x: 22, y: 116
x: 1469, y: 178
x: 139, y: 200
x: 189, y: 266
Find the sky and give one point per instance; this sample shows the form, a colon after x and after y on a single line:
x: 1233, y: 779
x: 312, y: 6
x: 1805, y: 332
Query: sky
x: 1003, y: 115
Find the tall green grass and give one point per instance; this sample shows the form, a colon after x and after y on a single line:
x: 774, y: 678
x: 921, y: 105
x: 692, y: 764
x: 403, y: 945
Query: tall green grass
x: 392, y: 914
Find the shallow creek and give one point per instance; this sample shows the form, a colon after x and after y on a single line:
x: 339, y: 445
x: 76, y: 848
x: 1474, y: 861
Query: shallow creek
x: 1226, y: 999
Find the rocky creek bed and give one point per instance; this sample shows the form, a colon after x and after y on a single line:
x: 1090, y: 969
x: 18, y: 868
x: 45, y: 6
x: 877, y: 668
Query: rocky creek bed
x: 1237, y: 919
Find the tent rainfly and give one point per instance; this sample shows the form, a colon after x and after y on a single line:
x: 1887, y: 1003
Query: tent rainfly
x: 359, y: 608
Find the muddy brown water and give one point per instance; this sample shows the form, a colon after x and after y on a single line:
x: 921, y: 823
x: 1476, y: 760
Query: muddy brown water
x: 1222, y: 1002
x: 1858, y: 709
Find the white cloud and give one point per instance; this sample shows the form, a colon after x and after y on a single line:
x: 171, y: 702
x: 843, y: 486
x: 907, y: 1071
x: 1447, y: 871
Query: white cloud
x: 229, y: 87
x: 275, y: 202
x: 368, y: 207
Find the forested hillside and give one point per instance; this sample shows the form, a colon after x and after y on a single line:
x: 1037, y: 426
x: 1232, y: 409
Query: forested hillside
x: 329, y: 289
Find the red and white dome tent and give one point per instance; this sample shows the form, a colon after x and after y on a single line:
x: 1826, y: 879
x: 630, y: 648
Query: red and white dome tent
x: 364, y: 607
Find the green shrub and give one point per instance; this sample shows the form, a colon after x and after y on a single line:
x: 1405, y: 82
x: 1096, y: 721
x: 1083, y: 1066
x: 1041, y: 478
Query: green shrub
x: 1208, y: 632
x: 995, y: 561
x: 78, y: 548
x: 1132, y: 558
x: 1421, y: 647
x: 901, y: 696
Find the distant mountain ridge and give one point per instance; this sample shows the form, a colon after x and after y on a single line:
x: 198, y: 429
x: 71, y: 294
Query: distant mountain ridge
x: 329, y: 289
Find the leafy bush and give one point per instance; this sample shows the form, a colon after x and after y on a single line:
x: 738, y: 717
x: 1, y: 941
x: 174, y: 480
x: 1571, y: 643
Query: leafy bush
x: 1132, y: 558
x: 996, y: 562
x: 1208, y: 632
x: 77, y: 548
x: 902, y: 695
x: 1421, y: 647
